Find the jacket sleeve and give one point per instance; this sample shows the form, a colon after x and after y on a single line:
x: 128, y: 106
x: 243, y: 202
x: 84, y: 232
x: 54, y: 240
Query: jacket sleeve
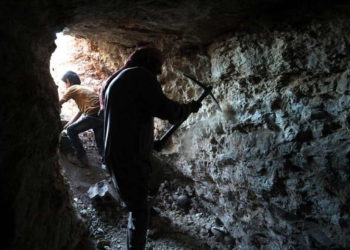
x: 157, y: 104
x: 69, y: 93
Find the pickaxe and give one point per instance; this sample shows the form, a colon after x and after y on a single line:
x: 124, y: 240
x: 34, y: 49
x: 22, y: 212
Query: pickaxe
x: 159, y: 144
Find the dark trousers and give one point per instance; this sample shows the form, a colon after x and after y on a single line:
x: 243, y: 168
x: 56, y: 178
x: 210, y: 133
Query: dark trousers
x: 132, y: 182
x: 85, y: 123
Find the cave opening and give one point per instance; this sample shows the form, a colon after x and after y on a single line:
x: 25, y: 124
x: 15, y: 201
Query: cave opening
x: 80, y: 56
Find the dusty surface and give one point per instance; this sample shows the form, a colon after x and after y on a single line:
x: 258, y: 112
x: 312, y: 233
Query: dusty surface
x: 181, y: 224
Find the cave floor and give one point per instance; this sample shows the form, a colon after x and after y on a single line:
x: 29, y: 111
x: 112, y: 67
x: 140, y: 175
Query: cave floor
x: 175, y: 227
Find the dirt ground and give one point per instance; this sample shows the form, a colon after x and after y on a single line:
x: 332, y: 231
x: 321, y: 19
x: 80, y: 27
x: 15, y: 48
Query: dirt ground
x: 182, y: 223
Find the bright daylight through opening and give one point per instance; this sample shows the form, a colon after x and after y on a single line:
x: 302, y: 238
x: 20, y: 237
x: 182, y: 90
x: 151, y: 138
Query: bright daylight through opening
x: 80, y: 56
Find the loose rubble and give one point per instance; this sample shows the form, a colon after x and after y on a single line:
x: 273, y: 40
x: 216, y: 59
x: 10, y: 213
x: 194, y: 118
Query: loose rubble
x: 178, y: 220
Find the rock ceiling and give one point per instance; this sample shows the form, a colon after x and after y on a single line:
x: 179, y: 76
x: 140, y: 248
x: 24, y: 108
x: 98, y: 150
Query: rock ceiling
x: 187, y: 22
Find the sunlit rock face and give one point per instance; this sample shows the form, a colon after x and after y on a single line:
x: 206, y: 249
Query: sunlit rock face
x: 273, y: 166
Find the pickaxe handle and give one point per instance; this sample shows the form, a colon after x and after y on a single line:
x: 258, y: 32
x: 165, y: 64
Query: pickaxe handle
x: 159, y: 144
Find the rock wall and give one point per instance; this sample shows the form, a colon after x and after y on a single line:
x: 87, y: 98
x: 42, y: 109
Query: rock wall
x: 37, y: 212
x: 273, y: 166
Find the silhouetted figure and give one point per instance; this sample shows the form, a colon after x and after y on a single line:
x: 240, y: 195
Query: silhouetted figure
x: 88, y: 103
x: 133, y: 97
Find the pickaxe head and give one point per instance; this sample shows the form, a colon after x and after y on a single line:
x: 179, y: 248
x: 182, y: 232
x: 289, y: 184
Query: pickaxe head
x: 207, y: 91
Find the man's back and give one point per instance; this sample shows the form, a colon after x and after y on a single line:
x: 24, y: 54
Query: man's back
x: 129, y: 122
x: 133, y: 99
x: 86, y: 99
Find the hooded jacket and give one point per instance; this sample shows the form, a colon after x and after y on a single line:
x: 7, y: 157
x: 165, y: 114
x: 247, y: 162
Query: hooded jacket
x: 132, y: 99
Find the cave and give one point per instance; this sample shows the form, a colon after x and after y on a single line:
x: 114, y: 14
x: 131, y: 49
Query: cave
x: 268, y: 171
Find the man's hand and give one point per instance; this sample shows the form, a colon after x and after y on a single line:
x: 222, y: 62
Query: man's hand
x: 76, y: 117
x: 195, y: 106
x: 61, y: 102
x: 158, y: 145
x: 191, y: 107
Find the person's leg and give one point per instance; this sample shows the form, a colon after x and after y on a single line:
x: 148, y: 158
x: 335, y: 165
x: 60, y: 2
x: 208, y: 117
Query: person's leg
x: 156, y: 176
x: 138, y: 205
x: 98, y: 131
x: 73, y: 132
x: 96, y: 124
x: 137, y: 229
x: 132, y: 184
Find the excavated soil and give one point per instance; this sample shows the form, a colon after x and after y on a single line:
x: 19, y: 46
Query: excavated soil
x: 182, y: 223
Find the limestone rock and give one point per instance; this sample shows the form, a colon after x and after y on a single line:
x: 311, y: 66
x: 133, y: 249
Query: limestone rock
x: 103, y: 193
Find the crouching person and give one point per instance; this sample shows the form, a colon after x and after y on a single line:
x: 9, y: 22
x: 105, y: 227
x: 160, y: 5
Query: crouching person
x: 88, y: 103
